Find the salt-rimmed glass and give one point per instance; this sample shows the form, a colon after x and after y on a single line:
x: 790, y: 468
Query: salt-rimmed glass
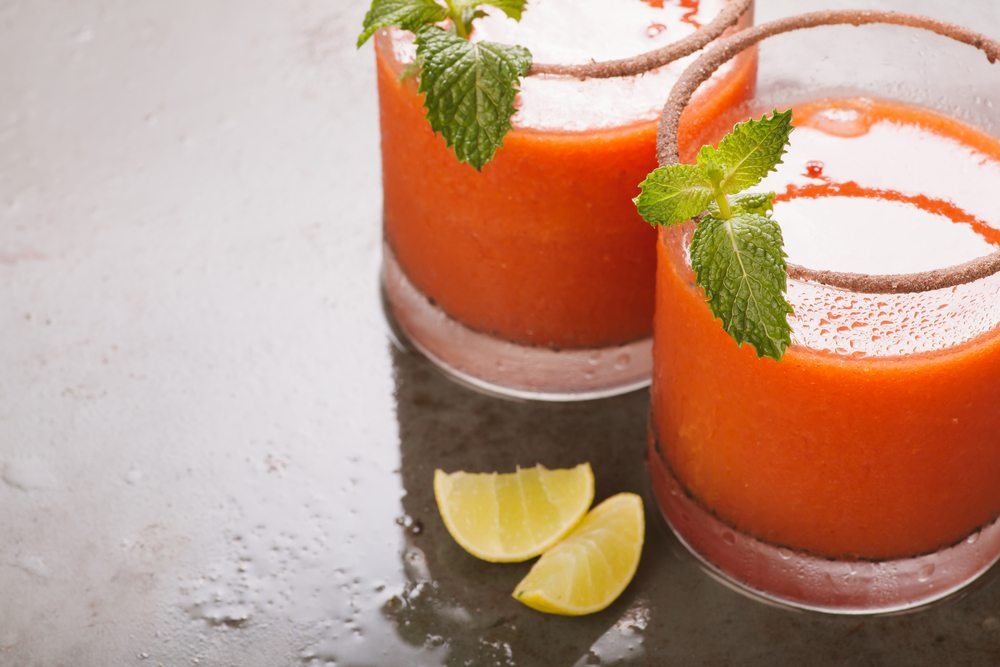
x: 755, y: 463
x: 534, y: 278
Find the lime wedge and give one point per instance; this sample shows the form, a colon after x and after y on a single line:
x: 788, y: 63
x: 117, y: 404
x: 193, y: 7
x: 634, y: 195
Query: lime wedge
x: 591, y: 567
x: 512, y: 517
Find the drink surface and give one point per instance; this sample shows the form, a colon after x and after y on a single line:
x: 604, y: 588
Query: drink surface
x: 580, y: 31
x: 876, y: 435
x: 870, y: 187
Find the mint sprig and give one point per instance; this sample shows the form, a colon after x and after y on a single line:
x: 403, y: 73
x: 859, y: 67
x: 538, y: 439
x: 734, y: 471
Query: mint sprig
x: 469, y: 90
x: 737, y: 251
x: 469, y: 87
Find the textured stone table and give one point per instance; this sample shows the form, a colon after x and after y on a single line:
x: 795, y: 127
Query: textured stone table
x: 210, y: 453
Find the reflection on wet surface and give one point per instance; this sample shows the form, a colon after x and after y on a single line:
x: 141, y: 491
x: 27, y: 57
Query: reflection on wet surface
x: 454, y: 600
x: 209, y: 452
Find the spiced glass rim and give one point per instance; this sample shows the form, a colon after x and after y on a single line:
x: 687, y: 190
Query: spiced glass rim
x: 727, y: 17
x: 667, y: 148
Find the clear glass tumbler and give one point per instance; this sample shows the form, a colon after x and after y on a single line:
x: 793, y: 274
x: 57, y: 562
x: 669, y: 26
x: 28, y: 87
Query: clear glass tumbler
x: 860, y: 473
x: 534, y: 277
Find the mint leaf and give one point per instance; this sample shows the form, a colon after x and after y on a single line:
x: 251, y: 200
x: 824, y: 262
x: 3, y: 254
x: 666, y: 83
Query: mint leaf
x: 469, y: 90
x: 406, y: 14
x: 749, y: 153
x: 737, y: 250
x: 674, y: 194
x: 760, y: 203
x: 512, y: 8
x: 740, y: 264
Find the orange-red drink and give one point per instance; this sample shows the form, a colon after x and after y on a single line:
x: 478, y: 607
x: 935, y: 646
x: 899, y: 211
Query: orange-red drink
x: 542, y: 250
x: 877, y: 435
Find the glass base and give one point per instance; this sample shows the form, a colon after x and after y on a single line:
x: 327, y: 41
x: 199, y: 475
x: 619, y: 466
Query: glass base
x: 503, y: 368
x: 780, y: 575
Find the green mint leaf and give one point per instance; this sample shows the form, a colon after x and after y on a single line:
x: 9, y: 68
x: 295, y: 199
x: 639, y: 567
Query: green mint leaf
x: 466, y: 11
x: 469, y: 90
x: 760, y: 203
x: 749, y: 153
x: 512, y: 8
x: 674, y: 194
x: 740, y: 263
x: 406, y: 14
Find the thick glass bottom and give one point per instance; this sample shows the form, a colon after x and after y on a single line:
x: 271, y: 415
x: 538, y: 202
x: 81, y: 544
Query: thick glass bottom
x: 503, y: 368
x: 777, y: 574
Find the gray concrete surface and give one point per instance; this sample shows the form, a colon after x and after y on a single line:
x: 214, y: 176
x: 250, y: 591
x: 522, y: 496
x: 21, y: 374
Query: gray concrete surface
x: 209, y: 451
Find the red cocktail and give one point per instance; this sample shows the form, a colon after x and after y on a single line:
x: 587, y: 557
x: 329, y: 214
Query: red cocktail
x: 534, y: 277
x: 861, y: 472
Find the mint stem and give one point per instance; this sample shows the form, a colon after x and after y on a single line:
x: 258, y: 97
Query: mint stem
x: 455, y: 15
x: 715, y: 176
x: 724, y: 211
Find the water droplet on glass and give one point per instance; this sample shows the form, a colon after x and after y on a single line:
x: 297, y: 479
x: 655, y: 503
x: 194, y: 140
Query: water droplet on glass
x: 925, y: 573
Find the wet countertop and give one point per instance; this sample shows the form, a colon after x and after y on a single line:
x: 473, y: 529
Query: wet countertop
x: 210, y: 451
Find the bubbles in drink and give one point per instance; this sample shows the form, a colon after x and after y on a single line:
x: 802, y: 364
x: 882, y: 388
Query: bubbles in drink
x: 654, y: 29
x: 870, y: 187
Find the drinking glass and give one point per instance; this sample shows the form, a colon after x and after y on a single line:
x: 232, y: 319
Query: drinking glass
x: 534, y: 277
x: 861, y: 472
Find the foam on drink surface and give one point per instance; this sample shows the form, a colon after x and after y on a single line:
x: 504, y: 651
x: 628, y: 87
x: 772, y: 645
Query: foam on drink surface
x: 570, y: 32
x: 862, y: 192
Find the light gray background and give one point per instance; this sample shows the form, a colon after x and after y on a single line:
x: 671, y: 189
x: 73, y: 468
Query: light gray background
x: 209, y: 451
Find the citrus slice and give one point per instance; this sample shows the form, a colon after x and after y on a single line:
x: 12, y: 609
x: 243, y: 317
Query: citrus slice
x: 508, y: 518
x: 589, y: 569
